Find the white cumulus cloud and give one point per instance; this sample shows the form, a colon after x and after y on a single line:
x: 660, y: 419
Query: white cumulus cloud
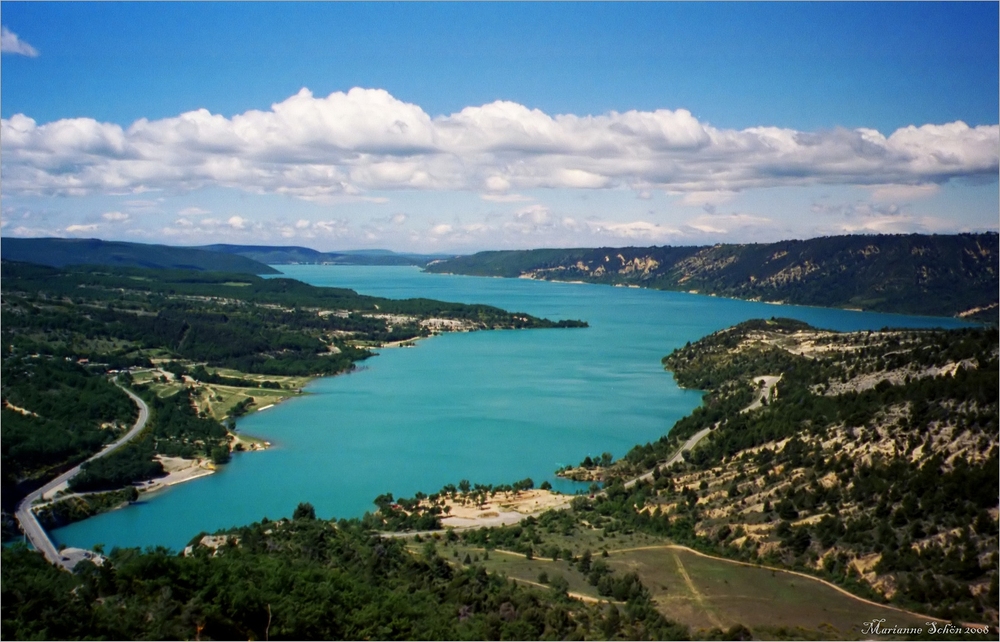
x: 74, y: 229
x: 10, y: 43
x: 193, y: 211
x: 729, y: 223
x: 504, y: 198
x: 347, y: 144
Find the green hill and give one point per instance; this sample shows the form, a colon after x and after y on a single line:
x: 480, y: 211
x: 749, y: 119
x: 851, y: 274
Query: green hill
x: 954, y: 275
x: 58, y: 252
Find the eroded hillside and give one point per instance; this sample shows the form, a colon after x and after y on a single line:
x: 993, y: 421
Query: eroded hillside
x: 918, y: 274
x: 873, y: 460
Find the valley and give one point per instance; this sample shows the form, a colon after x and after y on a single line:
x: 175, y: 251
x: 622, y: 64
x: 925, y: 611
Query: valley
x: 689, y: 521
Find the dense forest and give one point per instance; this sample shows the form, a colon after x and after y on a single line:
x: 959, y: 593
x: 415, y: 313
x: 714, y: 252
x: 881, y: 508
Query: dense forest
x: 913, y: 274
x: 175, y: 430
x: 125, y: 316
x: 58, y: 252
x: 55, y: 414
x: 304, y: 579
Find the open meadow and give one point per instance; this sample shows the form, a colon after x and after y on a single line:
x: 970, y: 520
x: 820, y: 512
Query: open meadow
x: 701, y: 592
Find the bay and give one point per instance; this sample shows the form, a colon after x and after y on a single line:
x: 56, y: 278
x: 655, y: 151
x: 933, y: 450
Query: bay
x: 491, y: 407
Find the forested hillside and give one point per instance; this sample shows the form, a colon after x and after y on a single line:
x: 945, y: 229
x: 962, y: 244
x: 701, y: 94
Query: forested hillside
x: 302, y: 579
x: 872, y: 461
x: 58, y: 252
x: 279, y: 254
x: 914, y: 274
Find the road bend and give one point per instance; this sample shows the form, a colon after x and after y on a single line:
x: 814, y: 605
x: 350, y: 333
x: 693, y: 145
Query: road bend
x: 29, y: 523
x: 763, y: 393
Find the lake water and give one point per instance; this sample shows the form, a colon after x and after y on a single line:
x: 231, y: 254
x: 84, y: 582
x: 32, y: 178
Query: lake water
x: 491, y: 407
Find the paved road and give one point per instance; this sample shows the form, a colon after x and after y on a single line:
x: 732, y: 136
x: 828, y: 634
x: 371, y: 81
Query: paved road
x: 763, y: 393
x: 676, y: 457
x: 29, y: 523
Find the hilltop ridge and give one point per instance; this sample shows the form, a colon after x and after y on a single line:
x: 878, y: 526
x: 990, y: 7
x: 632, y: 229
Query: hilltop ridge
x: 953, y: 275
x: 59, y: 252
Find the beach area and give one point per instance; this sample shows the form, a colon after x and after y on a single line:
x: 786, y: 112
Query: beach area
x: 179, y: 470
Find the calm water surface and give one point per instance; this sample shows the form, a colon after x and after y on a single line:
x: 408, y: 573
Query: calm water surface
x: 491, y: 407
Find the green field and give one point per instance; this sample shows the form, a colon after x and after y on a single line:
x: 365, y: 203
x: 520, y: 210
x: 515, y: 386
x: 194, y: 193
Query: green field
x: 704, y: 592
x: 218, y: 400
x: 517, y: 567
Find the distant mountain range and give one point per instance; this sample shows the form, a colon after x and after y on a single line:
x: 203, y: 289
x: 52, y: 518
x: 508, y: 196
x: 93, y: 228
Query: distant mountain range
x: 942, y: 275
x: 285, y: 254
x: 57, y: 252
x: 953, y: 275
x: 243, y: 259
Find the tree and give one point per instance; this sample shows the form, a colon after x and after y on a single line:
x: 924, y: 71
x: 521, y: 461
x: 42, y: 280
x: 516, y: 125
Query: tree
x: 786, y: 510
x: 304, y: 510
x: 611, y: 623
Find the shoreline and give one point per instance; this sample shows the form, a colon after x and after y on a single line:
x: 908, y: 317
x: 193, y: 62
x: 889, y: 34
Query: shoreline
x: 956, y: 317
x: 179, y: 470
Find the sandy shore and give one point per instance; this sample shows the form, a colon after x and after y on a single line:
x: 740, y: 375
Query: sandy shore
x: 179, y: 470
x: 244, y: 443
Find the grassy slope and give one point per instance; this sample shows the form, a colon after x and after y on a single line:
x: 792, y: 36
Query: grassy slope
x: 696, y: 590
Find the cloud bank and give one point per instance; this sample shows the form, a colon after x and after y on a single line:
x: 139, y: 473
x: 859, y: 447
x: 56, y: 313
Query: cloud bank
x: 10, y: 43
x: 366, y: 140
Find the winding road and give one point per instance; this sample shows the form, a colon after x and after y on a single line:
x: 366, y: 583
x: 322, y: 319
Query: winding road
x: 764, y: 392
x: 29, y: 523
x: 676, y: 457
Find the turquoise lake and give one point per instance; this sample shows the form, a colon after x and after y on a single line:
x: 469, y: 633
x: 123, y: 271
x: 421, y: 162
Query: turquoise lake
x: 491, y: 407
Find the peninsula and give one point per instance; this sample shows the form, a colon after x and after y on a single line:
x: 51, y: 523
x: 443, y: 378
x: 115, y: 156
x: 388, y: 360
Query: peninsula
x: 200, y: 348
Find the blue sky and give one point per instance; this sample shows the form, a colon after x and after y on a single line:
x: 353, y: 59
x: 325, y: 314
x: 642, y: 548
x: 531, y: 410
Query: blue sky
x: 482, y: 125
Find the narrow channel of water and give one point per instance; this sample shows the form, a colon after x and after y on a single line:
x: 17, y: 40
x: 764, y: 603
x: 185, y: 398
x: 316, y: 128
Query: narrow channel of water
x: 491, y: 407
